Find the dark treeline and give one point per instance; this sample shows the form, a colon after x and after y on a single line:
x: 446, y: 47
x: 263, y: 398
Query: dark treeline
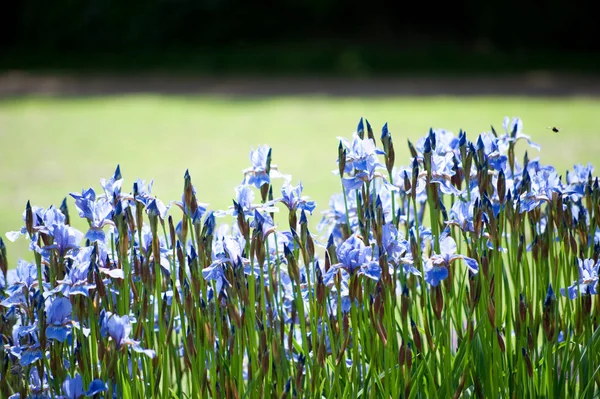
x: 75, y: 26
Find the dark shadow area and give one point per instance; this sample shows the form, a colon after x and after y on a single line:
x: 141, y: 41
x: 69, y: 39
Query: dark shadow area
x: 16, y: 84
x: 292, y: 47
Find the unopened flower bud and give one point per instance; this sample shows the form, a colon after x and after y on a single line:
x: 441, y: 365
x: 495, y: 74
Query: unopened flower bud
x: 29, y: 218
x: 416, y: 336
x: 549, y: 314
x: 501, y: 343
x: 370, y: 131
x: 528, y: 365
x: 360, y: 129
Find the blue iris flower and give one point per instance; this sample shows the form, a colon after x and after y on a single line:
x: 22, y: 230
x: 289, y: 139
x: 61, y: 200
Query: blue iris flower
x: 119, y: 329
x: 335, y: 216
x: 544, y: 182
x: 445, y: 142
x: 226, y: 249
x: 461, y: 215
x: 263, y: 222
x: 76, y: 281
x: 97, y: 386
x: 361, y: 154
x: 514, y: 132
x: 293, y: 199
x: 112, y: 186
x: 26, y: 346
x: 98, y: 213
x: 38, y: 221
x: 142, y: 191
x: 66, y: 238
x: 72, y: 388
x: 397, y: 249
x: 354, y: 257
x: 157, y: 208
x: 588, y: 279
x: 436, y: 267
x: 25, y: 276
x: 59, y: 319
x: 257, y: 174
x: 244, y: 197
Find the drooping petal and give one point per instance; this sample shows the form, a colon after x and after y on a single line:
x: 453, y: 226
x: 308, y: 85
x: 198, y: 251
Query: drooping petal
x: 59, y: 333
x: 471, y: 264
x: 371, y: 270
x: 435, y: 274
x: 73, y: 387
x: 30, y: 356
x: 447, y: 245
x: 96, y: 387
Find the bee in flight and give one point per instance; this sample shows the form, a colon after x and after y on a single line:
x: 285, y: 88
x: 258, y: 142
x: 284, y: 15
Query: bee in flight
x: 554, y: 129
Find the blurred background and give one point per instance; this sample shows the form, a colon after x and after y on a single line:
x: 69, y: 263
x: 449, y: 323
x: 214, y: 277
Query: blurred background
x: 161, y: 86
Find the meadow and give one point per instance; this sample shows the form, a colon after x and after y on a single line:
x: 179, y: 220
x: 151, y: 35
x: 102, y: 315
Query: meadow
x: 50, y: 147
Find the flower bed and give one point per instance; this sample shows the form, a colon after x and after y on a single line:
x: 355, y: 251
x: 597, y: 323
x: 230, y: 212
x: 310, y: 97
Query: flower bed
x: 465, y: 273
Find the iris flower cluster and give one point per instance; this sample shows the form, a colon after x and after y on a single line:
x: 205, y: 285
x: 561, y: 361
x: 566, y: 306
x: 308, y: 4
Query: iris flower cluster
x: 434, y: 279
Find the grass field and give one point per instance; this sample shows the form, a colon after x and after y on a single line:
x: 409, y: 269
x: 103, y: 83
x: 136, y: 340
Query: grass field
x: 49, y: 147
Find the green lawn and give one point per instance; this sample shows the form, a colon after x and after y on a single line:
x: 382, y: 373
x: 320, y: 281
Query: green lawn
x: 49, y: 147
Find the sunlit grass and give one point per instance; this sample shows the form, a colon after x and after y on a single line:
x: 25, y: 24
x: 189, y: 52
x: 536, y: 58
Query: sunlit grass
x: 49, y: 147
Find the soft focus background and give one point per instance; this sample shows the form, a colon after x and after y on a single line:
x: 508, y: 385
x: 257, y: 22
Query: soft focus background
x: 161, y: 86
